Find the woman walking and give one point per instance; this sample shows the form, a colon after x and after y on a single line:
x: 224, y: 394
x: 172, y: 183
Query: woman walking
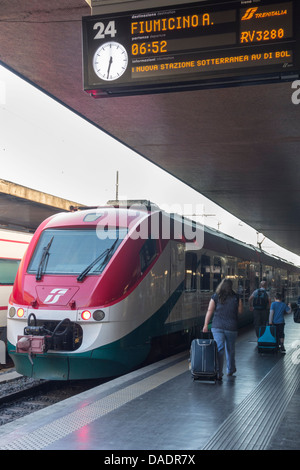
x: 225, y: 305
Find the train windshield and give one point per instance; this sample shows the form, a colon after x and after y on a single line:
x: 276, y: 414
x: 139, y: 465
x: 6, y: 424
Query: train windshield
x: 74, y: 251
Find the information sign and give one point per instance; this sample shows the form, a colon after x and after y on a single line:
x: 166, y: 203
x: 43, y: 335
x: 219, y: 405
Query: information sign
x: 191, y: 46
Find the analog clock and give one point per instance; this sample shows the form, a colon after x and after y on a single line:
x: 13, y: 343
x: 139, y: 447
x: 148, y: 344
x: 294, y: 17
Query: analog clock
x: 110, y: 61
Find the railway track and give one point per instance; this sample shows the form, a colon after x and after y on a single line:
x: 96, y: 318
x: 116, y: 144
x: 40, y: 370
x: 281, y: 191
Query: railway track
x: 23, y: 395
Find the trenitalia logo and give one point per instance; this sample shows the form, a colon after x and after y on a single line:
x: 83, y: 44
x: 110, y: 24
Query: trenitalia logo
x: 251, y: 12
x: 52, y: 299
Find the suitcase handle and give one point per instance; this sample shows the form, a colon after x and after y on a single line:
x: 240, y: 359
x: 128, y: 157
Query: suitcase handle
x: 206, y: 335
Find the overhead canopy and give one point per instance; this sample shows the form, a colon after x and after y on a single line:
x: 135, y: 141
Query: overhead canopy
x: 239, y: 146
x: 22, y: 208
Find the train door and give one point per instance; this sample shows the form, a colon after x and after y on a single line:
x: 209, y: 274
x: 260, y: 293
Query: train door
x: 190, y: 284
x: 205, y: 283
x: 176, y: 283
x: 217, y: 272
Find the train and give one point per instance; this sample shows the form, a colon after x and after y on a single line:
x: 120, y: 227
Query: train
x: 13, y: 245
x: 101, y: 290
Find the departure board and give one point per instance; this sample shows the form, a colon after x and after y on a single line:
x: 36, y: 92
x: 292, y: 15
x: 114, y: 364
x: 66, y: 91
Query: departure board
x: 189, y: 46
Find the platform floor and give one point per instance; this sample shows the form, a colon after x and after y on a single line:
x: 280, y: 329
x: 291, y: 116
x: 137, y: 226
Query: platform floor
x: 160, y: 407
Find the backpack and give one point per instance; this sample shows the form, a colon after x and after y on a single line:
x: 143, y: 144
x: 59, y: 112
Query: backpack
x: 297, y: 315
x: 260, y: 300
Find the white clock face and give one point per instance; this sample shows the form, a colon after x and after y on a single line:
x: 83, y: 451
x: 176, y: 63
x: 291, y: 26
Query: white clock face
x: 110, y: 61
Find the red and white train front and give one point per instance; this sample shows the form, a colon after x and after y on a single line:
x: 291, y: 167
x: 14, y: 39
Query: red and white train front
x: 90, y: 295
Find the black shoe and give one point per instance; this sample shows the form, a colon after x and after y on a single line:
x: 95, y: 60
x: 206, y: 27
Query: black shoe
x: 282, y: 349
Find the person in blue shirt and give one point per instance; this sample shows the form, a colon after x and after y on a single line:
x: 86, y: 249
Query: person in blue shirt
x: 277, y: 311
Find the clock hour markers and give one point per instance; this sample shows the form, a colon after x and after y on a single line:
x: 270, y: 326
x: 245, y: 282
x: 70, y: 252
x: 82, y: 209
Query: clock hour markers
x: 110, y: 61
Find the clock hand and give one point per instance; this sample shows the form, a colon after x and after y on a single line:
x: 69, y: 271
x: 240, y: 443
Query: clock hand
x: 109, y: 65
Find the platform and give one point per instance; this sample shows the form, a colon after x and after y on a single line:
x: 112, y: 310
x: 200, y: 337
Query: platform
x: 6, y: 376
x: 160, y: 407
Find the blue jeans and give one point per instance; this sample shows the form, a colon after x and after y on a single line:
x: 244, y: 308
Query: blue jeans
x: 225, y: 340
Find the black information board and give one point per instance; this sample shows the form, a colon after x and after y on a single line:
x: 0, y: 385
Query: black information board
x: 190, y: 46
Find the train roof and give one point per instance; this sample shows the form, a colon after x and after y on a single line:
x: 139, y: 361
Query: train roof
x: 137, y: 210
x: 218, y: 241
x: 234, y: 247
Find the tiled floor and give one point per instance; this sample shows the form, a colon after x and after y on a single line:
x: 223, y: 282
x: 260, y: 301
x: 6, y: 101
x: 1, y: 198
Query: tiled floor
x: 160, y: 407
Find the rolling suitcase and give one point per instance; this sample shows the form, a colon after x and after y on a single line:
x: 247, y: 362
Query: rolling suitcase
x: 267, y: 339
x: 203, y: 359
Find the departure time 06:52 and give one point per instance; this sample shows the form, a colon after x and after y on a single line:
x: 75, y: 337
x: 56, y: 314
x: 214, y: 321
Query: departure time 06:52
x: 155, y: 47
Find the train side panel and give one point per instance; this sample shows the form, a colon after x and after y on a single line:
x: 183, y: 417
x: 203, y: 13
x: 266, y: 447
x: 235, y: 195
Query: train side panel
x: 12, y: 248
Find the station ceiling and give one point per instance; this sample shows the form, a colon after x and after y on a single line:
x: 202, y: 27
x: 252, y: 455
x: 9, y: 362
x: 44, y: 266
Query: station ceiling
x: 239, y: 146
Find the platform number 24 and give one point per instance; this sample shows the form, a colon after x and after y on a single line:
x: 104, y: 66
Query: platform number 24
x: 104, y: 30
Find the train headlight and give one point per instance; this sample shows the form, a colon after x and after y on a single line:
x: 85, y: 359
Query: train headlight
x: 12, y: 312
x: 20, y: 312
x: 86, y: 315
x: 98, y: 315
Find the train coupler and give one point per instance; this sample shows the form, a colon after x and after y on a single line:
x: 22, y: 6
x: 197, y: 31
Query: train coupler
x: 31, y: 344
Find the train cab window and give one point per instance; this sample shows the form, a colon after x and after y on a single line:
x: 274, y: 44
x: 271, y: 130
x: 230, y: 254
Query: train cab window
x: 147, y: 254
x: 75, y: 251
x: 190, y: 271
x: 205, y: 273
x: 8, y: 271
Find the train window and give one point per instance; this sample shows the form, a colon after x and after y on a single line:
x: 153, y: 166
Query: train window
x: 147, y: 254
x: 230, y: 271
x: 8, y: 271
x: 205, y: 273
x: 217, y: 270
x: 93, y: 217
x: 190, y: 271
x: 70, y: 251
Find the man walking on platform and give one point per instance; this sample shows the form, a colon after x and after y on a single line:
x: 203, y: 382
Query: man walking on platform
x: 259, y: 303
